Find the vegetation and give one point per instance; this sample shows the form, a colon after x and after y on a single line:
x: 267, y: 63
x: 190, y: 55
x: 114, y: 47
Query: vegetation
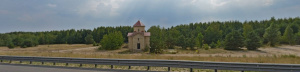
x: 234, y: 41
x: 199, y: 40
x: 289, y: 59
x: 89, y: 39
x: 252, y: 41
x: 112, y: 41
x: 72, y: 36
x: 265, y: 32
x: 156, y: 39
x: 272, y: 35
x: 288, y: 36
x: 187, y: 36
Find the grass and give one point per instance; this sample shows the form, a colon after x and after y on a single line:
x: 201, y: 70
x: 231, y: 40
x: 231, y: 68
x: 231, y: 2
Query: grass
x: 286, y: 59
x: 45, y: 51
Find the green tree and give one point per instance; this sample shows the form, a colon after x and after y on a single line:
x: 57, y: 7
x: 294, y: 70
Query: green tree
x: 89, y: 39
x: 8, y: 41
x: 252, y: 41
x: 288, y: 35
x: 183, y: 42
x: 157, y: 42
x: 212, y: 33
x: 199, y: 40
x: 272, y: 35
x: 171, y: 38
x: 28, y: 43
x: 233, y: 41
x: 247, y: 28
x: 10, y: 45
x: 297, y: 38
x: 112, y: 41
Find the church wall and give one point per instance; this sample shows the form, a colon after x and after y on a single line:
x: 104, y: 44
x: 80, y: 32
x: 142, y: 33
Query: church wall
x: 139, y: 28
x: 130, y: 43
x: 138, y: 39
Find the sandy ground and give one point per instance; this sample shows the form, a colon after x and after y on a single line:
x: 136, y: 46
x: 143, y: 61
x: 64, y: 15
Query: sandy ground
x: 264, y: 51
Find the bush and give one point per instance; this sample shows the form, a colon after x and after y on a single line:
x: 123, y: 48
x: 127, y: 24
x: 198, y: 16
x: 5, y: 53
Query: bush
x: 95, y: 44
x: 213, y: 45
x: 219, y: 44
x: 28, y: 43
x: 156, y: 50
x: 10, y: 45
x: 206, y: 46
x: 147, y: 48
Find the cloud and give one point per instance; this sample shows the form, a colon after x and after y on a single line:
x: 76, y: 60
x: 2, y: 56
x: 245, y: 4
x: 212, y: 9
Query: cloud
x: 215, y: 3
x: 268, y: 2
x: 100, y: 7
x: 25, y: 17
x: 51, y: 5
x: 44, y: 15
x: 4, y: 12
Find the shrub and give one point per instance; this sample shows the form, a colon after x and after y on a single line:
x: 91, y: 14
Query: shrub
x: 213, y: 45
x: 147, y: 48
x: 206, y: 46
x: 10, y: 45
x: 95, y: 44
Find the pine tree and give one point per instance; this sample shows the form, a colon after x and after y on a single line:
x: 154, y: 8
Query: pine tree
x: 199, y: 40
x: 288, y: 35
x: 272, y: 35
x: 247, y: 28
x: 297, y: 38
x: 252, y: 41
x: 233, y: 41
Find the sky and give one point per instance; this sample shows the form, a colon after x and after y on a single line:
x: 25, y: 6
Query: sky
x: 48, y: 15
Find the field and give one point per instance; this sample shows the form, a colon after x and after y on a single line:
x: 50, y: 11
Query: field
x: 281, y: 54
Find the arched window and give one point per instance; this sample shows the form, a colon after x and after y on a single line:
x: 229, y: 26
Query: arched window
x: 138, y: 39
x: 138, y: 30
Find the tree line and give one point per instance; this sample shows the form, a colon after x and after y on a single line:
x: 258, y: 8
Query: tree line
x: 230, y: 35
x: 72, y: 36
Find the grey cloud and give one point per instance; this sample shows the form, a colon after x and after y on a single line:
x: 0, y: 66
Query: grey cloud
x: 45, y: 15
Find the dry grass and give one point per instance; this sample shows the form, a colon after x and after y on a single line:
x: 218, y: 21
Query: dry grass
x: 85, y: 51
x: 218, y: 55
x: 289, y: 59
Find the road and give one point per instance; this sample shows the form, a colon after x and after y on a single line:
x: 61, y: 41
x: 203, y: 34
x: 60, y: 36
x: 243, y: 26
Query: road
x: 39, y: 68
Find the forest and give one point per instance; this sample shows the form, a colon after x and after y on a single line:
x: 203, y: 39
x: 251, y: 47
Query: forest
x: 230, y: 35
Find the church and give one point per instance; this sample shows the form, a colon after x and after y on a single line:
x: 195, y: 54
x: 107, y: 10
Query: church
x: 139, y: 38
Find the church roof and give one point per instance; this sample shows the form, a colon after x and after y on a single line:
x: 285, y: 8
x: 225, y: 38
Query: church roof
x: 135, y: 33
x: 138, y: 23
